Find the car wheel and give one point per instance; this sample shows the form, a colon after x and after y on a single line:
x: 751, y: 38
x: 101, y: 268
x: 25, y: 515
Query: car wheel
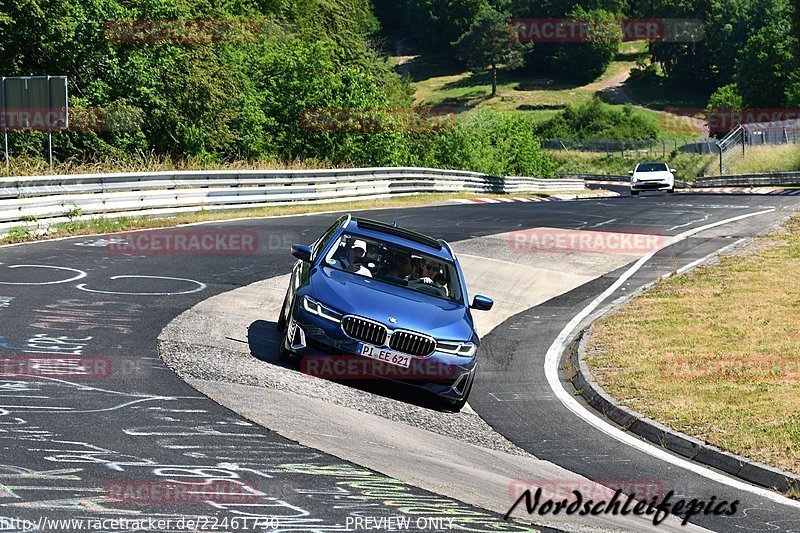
x: 456, y: 406
x: 281, y: 325
x: 634, y: 193
x: 284, y: 354
x: 671, y: 190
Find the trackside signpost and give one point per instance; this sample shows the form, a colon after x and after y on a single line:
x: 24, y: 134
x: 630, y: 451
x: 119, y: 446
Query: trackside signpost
x: 33, y: 103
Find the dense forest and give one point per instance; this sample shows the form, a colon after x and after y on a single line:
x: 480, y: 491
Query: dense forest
x: 748, y: 47
x: 249, y: 96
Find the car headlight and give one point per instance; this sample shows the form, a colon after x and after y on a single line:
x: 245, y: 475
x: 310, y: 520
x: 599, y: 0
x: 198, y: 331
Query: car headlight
x: 316, y: 308
x: 634, y: 179
x: 461, y: 349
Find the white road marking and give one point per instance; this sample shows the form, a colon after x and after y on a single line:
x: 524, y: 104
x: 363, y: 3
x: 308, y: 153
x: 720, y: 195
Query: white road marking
x: 81, y: 274
x: 551, y: 373
x: 705, y: 217
x: 609, y: 221
x: 200, y: 287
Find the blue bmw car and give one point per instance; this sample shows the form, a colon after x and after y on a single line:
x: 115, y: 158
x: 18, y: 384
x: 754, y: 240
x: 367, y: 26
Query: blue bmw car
x: 371, y: 300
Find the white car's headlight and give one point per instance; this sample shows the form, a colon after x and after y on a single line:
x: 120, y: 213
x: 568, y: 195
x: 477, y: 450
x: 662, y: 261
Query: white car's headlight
x: 316, y: 308
x: 461, y: 349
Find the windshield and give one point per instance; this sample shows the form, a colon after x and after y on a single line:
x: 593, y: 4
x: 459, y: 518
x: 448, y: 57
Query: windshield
x: 651, y: 167
x: 396, y: 265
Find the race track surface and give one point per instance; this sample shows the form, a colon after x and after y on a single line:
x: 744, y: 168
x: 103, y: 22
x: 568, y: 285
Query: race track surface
x: 73, y: 444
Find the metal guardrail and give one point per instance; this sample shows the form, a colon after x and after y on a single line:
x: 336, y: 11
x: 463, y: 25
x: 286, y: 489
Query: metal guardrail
x: 779, y: 179
x: 25, y: 200
x: 598, y: 177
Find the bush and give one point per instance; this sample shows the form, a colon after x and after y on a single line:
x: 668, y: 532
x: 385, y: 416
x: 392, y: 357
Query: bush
x: 726, y: 97
x: 494, y: 143
x: 597, y: 120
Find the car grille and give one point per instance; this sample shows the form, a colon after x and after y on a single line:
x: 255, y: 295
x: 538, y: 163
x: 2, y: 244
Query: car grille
x: 412, y: 343
x: 364, y: 330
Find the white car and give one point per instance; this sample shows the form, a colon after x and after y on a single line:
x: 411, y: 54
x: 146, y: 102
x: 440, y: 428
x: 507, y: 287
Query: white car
x: 652, y: 177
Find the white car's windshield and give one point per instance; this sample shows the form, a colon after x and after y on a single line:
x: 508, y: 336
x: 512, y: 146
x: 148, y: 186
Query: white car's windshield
x: 395, y: 265
x: 651, y: 167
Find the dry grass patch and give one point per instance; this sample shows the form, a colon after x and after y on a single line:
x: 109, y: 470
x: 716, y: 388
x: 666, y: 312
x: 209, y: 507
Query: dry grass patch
x: 782, y: 158
x: 715, y: 353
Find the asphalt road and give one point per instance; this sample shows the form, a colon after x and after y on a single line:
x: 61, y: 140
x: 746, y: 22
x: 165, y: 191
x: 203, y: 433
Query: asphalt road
x: 79, y: 446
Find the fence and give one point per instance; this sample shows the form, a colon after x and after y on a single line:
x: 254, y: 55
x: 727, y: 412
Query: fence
x: 734, y: 145
x: 26, y: 200
x: 632, y: 148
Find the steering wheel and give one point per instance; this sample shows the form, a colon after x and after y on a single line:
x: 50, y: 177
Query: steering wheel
x: 433, y: 290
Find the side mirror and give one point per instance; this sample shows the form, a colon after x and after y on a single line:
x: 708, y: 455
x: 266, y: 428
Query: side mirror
x: 673, y: 170
x: 630, y: 173
x: 302, y: 252
x: 482, y: 303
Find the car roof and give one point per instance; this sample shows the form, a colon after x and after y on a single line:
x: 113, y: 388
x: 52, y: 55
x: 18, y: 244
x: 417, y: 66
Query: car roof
x: 399, y: 236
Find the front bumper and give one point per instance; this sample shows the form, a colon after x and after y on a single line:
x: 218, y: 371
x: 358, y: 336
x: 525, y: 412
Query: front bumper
x: 325, y: 351
x: 651, y: 186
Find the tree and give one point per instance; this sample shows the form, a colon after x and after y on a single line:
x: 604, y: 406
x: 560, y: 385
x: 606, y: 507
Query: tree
x: 764, y: 69
x: 489, y: 43
x: 586, y: 61
x: 726, y: 98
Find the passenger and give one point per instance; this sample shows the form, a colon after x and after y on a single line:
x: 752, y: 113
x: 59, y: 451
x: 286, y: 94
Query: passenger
x: 355, y: 253
x: 401, y: 269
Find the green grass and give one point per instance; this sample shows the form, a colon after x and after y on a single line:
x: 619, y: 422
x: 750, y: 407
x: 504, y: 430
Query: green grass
x: 688, y: 166
x: 32, y: 166
x: 440, y: 83
x: 715, y: 353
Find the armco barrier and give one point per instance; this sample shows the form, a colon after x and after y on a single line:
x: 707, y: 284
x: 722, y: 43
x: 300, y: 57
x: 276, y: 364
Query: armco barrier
x: 779, y: 179
x: 25, y: 199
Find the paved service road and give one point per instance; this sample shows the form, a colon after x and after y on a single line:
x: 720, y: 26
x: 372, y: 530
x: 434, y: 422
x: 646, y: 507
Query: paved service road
x: 86, y: 441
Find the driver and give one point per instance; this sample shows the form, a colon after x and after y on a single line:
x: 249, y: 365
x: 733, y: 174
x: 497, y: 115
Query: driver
x: 431, y: 275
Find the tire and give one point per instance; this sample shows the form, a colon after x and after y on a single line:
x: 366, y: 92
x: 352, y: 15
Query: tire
x: 281, y: 325
x: 634, y: 193
x: 459, y: 404
x: 284, y: 354
x: 671, y: 190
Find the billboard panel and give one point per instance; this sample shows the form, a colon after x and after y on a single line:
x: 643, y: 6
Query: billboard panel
x: 34, y: 103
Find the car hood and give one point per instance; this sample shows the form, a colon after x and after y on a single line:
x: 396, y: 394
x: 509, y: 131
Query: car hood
x: 653, y: 176
x: 370, y: 298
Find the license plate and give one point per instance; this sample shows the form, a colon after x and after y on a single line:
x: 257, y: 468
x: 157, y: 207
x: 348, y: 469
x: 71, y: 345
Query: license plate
x: 382, y: 354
